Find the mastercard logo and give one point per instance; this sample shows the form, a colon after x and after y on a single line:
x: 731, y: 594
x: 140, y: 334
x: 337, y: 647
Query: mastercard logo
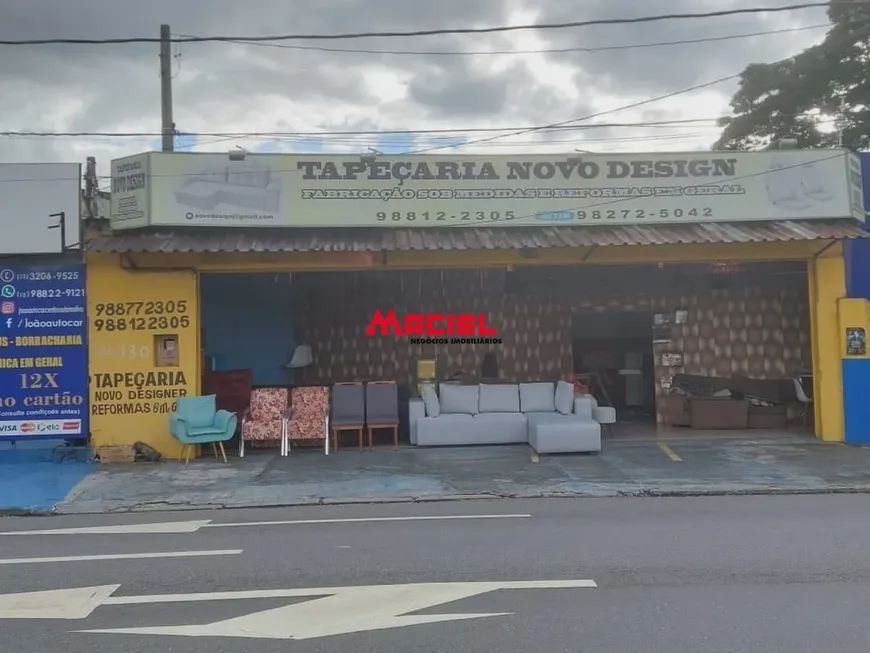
x: 27, y: 427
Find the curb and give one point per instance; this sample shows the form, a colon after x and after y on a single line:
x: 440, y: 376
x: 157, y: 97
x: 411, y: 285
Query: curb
x: 447, y: 498
x: 26, y: 512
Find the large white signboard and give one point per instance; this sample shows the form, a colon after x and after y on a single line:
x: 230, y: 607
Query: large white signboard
x: 32, y: 197
x: 292, y: 190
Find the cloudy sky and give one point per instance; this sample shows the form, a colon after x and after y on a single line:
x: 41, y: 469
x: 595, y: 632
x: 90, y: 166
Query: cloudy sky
x: 246, y: 89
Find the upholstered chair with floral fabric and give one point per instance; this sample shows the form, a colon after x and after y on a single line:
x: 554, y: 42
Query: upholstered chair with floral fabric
x: 266, y: 418
x: 309, y: 416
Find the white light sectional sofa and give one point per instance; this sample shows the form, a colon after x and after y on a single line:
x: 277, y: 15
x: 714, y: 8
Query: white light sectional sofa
x: 246, y: 184
x: 548, y: 416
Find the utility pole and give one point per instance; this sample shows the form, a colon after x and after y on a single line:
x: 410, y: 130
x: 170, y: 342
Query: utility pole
x: 168, y: 124
x: 91, y: 187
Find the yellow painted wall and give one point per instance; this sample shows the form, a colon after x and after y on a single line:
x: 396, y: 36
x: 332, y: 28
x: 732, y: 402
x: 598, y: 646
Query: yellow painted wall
x: 131, y: 397
x: 827, y: 279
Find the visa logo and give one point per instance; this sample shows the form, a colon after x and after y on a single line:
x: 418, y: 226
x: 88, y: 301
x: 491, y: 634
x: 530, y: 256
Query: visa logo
x: 8, y: 428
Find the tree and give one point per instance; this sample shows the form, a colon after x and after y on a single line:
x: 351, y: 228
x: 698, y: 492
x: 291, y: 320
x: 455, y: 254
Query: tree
x: 801, y: 96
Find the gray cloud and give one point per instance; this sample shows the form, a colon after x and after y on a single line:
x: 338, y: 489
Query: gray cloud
x: 229, y: 87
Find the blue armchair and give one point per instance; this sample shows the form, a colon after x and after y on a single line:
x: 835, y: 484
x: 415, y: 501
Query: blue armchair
x: 198, y: 421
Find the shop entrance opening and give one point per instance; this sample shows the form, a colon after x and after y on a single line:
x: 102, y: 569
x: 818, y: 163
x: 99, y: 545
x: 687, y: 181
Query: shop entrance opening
x: 246, y: 339
x: 613, y: 357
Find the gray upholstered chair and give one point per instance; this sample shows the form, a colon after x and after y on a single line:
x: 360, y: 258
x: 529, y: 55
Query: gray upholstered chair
x: 382, y: 409
x: 348, y: 411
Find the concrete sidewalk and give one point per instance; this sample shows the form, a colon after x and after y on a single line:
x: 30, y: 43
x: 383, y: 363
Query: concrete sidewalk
x: 678, y: 468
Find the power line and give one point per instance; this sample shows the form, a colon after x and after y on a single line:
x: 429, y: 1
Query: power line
x: 525, y: 143
x: 660, y: 124
x: 433, y: 32
x: 468, y: 53
x: 633, y: 105
x: 591, y: 116
x: 399, y: 140
x: 385, y: 132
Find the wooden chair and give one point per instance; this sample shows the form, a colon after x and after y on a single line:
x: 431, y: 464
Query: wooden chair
x: 348, y: 411
x: 382, y: 409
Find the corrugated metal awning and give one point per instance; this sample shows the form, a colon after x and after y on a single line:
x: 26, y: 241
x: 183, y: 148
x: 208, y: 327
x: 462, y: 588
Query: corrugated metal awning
x: 468, y: 238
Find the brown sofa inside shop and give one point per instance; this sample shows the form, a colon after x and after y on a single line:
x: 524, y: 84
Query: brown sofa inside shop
x: 700, y: 410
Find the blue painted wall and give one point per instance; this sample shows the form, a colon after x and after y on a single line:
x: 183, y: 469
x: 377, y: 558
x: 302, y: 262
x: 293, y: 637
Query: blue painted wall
x: 247, y: 324
x: 857, y: 251
x: 856, y: 408
x: 856, y: 371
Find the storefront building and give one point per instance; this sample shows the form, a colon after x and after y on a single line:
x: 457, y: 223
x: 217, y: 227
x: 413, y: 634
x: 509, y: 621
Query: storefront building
x: 680, y: 268
x: 43, y: 326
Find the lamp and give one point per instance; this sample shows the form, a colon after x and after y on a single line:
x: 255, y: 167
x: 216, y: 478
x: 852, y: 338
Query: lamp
x: 787, y: 143
x: 370, y: 156
x: 302, y: 357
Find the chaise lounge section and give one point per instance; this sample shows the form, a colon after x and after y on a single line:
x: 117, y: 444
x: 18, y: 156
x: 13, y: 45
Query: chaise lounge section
x: 545, y: 415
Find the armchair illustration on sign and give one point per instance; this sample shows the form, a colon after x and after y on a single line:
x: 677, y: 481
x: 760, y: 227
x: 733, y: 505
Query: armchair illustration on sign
x: 246, y: 184
x: 797, y: 188
x: 197, y: 421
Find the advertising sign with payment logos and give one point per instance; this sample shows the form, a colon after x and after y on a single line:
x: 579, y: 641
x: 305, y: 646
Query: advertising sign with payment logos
x: 43, y: 351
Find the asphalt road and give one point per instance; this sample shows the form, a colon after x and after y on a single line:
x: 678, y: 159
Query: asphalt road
x: 707, y: 575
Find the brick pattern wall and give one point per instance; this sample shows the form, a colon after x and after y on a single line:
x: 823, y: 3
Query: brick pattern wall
x: 759, y: 329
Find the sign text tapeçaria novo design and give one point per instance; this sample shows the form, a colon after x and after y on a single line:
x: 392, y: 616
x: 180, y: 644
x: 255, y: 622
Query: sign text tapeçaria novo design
x: 430, y: 191
x: 516, y: 170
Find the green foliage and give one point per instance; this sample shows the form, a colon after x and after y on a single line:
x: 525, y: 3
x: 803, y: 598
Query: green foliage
x: 800, y: 97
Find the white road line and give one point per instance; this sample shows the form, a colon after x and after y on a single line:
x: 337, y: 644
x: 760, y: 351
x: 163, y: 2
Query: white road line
x: 325, y: 591
x: 122, y: 556
x: 184, y: 527
x: 160, y: 528
x: 372, y: 601
x: 343, y: 611
x: 362, y: 520
x: 74, y: 603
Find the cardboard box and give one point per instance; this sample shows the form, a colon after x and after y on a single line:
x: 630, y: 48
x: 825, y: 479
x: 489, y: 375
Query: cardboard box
x: 116, y: 453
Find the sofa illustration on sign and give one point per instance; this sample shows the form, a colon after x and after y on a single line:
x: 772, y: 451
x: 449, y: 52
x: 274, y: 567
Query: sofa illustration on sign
x: 797, y: 188
x: 246, y: 184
